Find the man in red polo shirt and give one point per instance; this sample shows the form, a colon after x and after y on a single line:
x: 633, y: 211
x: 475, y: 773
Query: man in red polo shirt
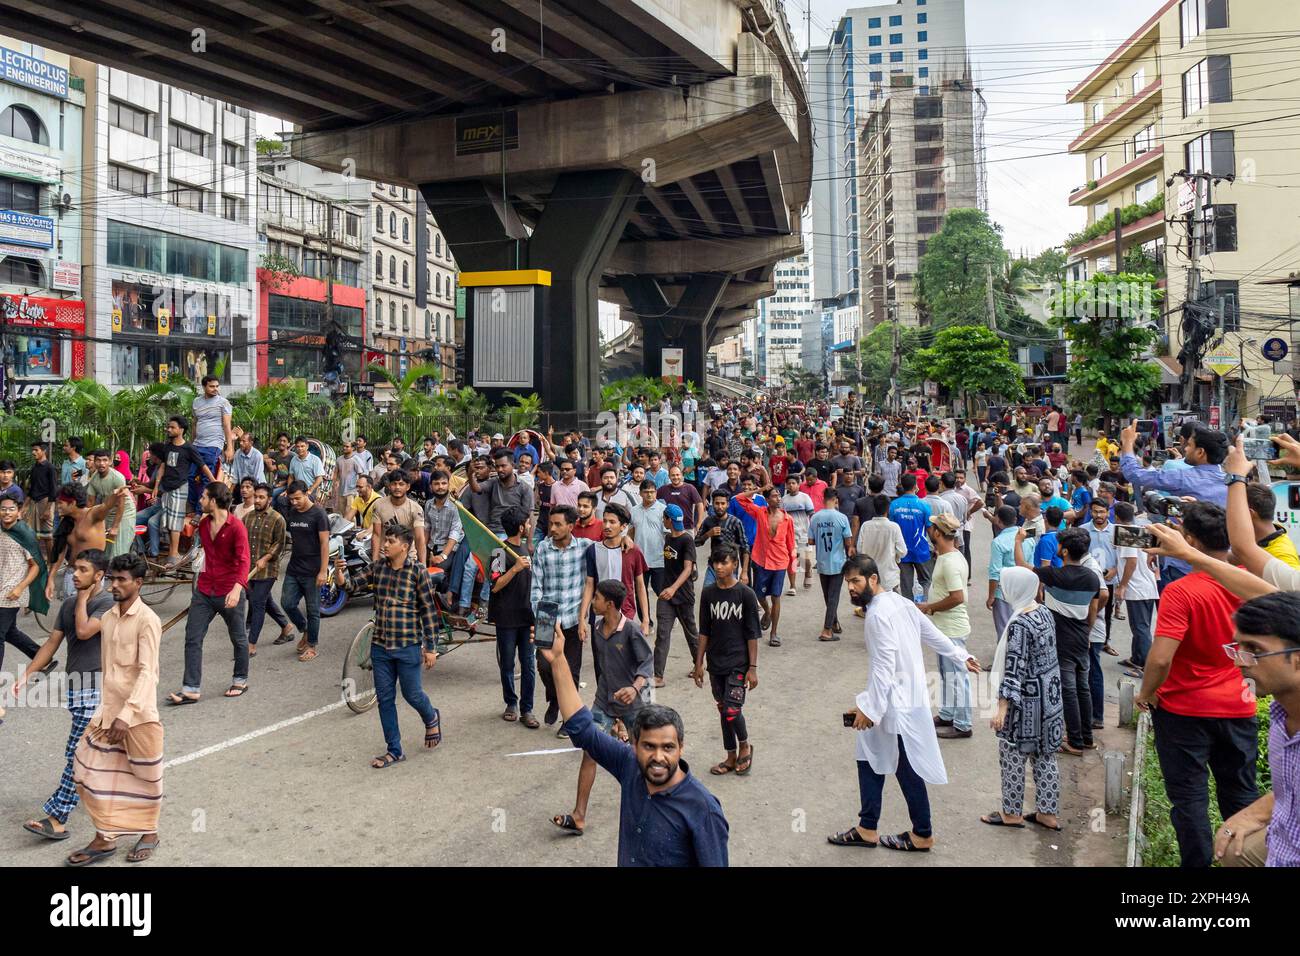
x: 774, y: 557
x: 221, y: 590
x: 1202, y: 711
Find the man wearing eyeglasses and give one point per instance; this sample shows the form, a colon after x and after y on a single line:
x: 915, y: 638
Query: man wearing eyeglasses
x: 565, y: 491
x: 1202, y: 711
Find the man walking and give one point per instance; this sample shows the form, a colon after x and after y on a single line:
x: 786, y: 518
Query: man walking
x: 559, y: 567
x: 405, y: 635
x: 213, y: 436
x: 947, y: 608
x: 266, y: 530
x: 220, y: 591
x: 511, y: 612
x: 118, y: 763
x: 308, y: 569
x: 832, y: 540
x: 179, y: 459
x: 677, y: 599
x: 728, y: 650
x: 912, y: 515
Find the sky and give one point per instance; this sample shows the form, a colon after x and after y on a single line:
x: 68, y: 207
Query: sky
x: 1026, y: 55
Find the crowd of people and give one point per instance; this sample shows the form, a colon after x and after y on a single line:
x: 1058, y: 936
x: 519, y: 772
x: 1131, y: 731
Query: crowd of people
x: 698, y: 519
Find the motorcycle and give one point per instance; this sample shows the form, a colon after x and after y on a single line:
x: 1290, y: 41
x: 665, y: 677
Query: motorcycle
x: 352, y: 544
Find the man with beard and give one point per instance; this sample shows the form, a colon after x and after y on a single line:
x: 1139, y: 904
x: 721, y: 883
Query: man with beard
x: 615, y: 558
x: 266, y: 530
x: 666, y: 816
x: 84, y: 531
x: 443, y: 526
x: 892, y: 715
x: 610, y: 493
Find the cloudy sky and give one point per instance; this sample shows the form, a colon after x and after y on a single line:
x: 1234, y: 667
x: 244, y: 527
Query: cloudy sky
x: 1026, y: 55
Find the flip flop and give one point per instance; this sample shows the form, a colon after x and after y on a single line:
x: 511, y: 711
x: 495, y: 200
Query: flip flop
x: 45, y: 829
x: 902, y: 841
x: 529, y: 721
x: 566, y: 823
x: 180, y: 700
x: 745, y: 763
x: 833, y: 637
x: 310, y: 654
x: 241, y: 689
x: 388, y: 761
x: 995, y: 819
x: 850, y: 837
x: 1138, y: 675
x: 141, y: 845
x: 1033, y: 818
x: 722, y: 769
x: 91, y: 856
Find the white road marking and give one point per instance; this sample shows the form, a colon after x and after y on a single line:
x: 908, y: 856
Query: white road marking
x: 538, y: 753
x: 251, y: 735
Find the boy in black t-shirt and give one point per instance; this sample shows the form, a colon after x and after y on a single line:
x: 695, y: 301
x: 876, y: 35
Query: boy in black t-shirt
x: 677, y: 598
x: 511, y: 610
x: 728, y: 648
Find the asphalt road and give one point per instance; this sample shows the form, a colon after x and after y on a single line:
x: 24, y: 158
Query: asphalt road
x: 281, y: 776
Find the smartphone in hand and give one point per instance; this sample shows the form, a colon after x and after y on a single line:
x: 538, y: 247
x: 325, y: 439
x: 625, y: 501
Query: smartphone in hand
x: 849, y: 718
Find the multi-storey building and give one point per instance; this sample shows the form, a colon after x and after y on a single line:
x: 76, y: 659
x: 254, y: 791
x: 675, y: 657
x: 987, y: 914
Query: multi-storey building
x: 1202, y: 86
x: 312, y: 273
x: 917, y: 162
x: 42, y: 313
x: 170, y: 240
x: 780, y: 320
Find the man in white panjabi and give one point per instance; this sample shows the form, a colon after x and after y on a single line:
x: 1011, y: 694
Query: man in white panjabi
x: 895, y: 728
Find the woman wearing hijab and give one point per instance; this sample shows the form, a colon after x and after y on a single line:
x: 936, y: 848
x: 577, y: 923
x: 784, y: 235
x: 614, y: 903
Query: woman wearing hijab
x: 1030, y: 720
x: 123, y: 465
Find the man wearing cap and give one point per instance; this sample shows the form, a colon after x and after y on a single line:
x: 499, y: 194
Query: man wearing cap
x: 677, y: 599
x: 947, y: 607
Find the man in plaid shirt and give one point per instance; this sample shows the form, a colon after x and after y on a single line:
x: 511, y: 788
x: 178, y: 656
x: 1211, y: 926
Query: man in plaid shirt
x: 559, y: 575
x: 405, y: 620
x: 853, y: 418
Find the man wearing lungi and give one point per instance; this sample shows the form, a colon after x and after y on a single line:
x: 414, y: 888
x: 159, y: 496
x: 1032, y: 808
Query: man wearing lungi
x: 118, y: 763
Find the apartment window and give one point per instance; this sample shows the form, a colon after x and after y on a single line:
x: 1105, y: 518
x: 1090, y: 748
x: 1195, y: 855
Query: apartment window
x: 352, y: 225
x: 895, y: 39
x: 1100, y: 210
x: 1146, y: 190
x: 406, y: 274
x: 346, y: 271
x: 392, y: 224
x: 406, y: 320
x: 928, y: 225
x: 1138, y: 82
x: 392, y: 270
x: 431, y: 327
x: 1212, y: 152
x: 873, y: 23
x: 1144, y: 139
x: 923, y: 54
x: 922, y: 36
x: 379, y: 314
x: 392, y: 316
x: 875, y: 76
x: 20, y: 196
x: 1097, y: 112
x: 292, y: 205
x: 1099, y: 167
x: 379, y: 219
x: 392, y: 190
x: 268, y: 197
x: 379, y: 266
x: 19, y: 271
x: 896, y: 56
x: 230, y: 208
x: 127, y: 181
x: 873, y: 40
x: 895, y: 21
x: 406, y: 229
x: 1209, y: 81
x: 873, y: 58
x: 1222, y: 296
x: 186, y: 198
x: 190, y: 140
x: 923, y: 72
x: 920, y: 3
x: 428, y: 280
x: 1220, y: 227
x: 437, y: 284
x: 128, y: 118
x: 231, y: 154
x: 1196, y: 16
x: 406, y: 194
x: 437, y: 244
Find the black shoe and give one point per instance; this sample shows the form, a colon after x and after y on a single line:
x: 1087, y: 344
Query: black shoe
x: 1098, y: 725
x: 949, y: 733
x: 552, y: 714
x: 836, y: 629
x: 940, y: 722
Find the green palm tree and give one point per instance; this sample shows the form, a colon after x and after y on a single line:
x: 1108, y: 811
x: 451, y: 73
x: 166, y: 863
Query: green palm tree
x: 411, y: 400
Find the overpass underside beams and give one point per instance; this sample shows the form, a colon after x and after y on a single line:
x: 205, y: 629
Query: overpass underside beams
x: 686, y: 325
x: 583, y: 220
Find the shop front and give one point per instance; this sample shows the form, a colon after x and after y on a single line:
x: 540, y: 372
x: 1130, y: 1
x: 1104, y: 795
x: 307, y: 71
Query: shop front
x: 44, y: 343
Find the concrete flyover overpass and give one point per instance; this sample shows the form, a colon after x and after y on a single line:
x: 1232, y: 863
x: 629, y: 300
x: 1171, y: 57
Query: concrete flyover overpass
x: 656, y: 153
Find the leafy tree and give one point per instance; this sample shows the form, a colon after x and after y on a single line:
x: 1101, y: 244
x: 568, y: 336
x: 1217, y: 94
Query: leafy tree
x: 1049, y: 265
x: 804, y: 383
x: 1110, y: 323
x: 876, y: 352
x: 408, y: 393
x: 951, y: 279
x: 972, y: 358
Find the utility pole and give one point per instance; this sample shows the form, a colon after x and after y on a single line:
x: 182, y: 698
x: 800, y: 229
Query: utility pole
x: 1119, y: 242
x: 894, y: 361
x: 988, y: 297
x: 1192, y: 295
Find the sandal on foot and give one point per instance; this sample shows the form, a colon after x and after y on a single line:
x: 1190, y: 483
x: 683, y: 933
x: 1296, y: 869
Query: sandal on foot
x: 722, y: 769
x: 284, y: 638
x: 850, y: 837
x: 509, y: 715
x: 566, y: 823
x: 45, y: 829
x: 142, y: 850
x: 1107, y: 649
x: 433, y: 731
x: 823, y: 637
x: 1067, y: 749
x: 529, y: 721
x: 774, y: 641
x: 90, y: 855
x: 386, y: 761
x: 180, y: 700
x: 303, y: 645
x: 1033, y: 818
x: 995, y: 819
x: 902, y: 841
x: 237, y: 690
x: 310, y: 654
x: 743, y: 764
x: 765, y: 621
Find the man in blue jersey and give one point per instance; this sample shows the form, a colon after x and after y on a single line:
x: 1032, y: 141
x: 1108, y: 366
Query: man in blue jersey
x: 912, y: 515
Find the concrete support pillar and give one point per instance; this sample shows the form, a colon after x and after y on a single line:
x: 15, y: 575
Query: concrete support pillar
x: 687, y: 325
x: 583, y: 221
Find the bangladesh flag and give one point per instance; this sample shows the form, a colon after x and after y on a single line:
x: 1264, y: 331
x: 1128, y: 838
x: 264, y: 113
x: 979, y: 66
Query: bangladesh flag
x: 486, y: 549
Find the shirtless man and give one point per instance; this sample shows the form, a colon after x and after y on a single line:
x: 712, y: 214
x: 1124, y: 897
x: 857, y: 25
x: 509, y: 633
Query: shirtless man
x: 87, y: 531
